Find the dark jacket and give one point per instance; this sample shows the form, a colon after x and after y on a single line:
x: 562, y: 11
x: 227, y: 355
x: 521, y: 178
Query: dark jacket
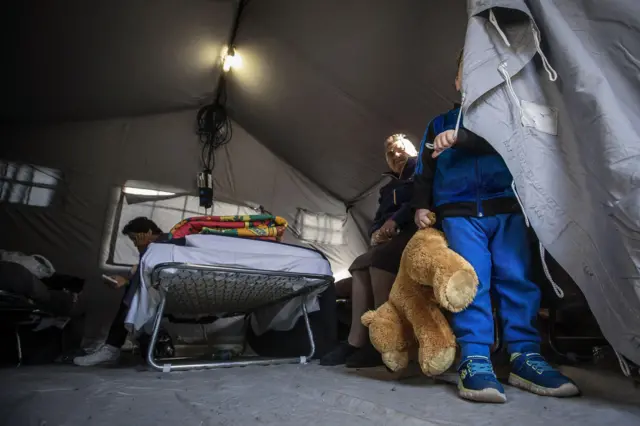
x: 469, y: 179
x: 395, y: 199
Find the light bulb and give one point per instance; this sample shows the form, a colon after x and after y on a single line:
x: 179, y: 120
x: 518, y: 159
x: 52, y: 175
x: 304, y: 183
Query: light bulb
x: 232, y: 60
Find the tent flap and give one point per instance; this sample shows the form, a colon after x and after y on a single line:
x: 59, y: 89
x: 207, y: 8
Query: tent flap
x: 579, y: 188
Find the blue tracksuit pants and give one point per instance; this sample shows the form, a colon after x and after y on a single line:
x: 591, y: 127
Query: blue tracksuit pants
x: 498, y: 248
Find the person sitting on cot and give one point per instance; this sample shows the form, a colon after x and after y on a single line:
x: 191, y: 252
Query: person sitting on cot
x: 469, y: 184
x: 142, y: 232
x: 375, y: 271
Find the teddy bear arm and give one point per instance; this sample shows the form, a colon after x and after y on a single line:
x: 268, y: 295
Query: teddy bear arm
x: 391, y: 335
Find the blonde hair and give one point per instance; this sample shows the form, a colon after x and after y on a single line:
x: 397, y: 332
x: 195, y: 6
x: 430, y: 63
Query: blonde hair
x: 399, y: 139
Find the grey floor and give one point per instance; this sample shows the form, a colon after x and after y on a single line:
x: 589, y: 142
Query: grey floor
x: 289, y: 395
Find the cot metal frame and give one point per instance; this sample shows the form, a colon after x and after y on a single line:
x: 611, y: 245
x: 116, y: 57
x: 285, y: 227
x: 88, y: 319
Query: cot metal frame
x: 313, y: 282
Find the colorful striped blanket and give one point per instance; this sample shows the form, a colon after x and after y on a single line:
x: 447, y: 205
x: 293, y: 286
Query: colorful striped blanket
x: 260, y: 226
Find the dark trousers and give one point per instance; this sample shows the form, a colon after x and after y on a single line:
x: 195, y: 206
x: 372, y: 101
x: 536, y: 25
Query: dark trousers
x: 117, y: 333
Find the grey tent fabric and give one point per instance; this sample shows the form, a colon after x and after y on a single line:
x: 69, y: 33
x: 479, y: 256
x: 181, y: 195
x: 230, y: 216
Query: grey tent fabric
x: 578, y: 182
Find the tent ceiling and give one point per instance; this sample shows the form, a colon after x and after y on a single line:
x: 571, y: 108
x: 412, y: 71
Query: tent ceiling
x: 103, y: 59
x: 322, y: 82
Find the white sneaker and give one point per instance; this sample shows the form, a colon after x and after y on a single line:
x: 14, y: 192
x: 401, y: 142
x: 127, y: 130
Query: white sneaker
x: 107, y: 354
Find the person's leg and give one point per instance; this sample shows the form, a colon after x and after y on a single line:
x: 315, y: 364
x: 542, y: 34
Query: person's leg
x: 518, y: 306
x: 385, y: 262
x: 361, y: 302
x: 110, y: 351
x: 366, y: 355
x: 381, y: 283
x: 343, y: 288
x: 473, y: 327
x: 518, y: 298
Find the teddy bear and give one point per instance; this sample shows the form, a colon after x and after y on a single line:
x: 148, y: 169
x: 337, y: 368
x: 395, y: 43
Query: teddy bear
x: 431, y: 277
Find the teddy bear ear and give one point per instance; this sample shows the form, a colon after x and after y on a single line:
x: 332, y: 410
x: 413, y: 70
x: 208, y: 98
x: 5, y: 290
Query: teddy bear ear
x: 368, y: 318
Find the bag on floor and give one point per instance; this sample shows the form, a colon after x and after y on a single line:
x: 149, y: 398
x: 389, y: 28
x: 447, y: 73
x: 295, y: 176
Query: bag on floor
x: 37, y: 264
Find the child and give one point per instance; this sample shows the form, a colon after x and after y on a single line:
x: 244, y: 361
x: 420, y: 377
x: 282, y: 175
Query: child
x: 470, y: 186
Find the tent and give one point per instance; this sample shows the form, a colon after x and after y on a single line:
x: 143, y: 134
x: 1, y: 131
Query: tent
x: 102, y: 95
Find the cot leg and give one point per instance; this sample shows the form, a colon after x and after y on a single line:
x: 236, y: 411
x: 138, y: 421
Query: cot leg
x: 154, y: 337
x: 308, y: 326
x: 18, y: 347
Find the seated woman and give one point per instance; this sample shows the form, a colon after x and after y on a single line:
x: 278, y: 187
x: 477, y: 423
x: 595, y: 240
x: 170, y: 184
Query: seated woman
x: 374, y: 272
x: 142, y: 232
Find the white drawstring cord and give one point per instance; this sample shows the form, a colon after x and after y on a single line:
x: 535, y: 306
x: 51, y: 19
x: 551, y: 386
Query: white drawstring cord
x: 624, y: 365
x: 515, y: 191
x: 429, y: 145
x: 553, y: 75
x: 537, y: 38
x: 502, y: 69
x: 494, y: 21
x: 455, y: 132
x: 556, y: 288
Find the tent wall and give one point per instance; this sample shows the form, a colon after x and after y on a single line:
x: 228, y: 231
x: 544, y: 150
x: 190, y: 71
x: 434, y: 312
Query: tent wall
x: 95, y: 157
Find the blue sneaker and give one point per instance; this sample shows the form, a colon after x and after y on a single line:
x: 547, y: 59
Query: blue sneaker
x: 478, y: 382
x: 532, y: 373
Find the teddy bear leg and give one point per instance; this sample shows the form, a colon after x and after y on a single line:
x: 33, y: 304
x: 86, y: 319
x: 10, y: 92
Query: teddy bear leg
x: 437, y: 345
x: 454, y: 281
x: 391, y: 335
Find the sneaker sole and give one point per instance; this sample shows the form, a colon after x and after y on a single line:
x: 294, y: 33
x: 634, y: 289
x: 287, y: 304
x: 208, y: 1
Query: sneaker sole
x: 489, y: 395
x: 109, y: 363
x: 565, y: 391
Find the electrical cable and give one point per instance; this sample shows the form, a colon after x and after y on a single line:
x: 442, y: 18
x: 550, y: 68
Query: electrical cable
x: 214, y: 129
x: 213, y: 124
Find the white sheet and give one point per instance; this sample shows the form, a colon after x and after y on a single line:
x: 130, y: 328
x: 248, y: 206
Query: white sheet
x: 234, y: 252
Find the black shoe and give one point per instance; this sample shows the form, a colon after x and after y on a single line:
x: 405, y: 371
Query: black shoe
x: 366, y: 357
x: 338, y: 355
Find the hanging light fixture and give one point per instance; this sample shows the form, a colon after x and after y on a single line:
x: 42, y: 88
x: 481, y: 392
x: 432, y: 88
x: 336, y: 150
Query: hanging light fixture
x: 230, y: 59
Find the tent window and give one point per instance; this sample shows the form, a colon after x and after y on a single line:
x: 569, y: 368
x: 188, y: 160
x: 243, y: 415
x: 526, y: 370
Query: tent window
x: 163, y: 207
x: 320, y: 228
x: 27, y: 184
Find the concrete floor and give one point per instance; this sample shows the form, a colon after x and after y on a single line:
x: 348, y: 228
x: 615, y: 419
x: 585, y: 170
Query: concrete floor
x: 288, y: 395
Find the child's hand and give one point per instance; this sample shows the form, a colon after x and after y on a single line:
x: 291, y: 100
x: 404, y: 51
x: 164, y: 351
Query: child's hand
x: 422, y: 218
x: 443, y: 141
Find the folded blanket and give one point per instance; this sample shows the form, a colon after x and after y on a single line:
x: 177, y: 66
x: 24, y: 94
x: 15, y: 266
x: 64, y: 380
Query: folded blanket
x: 260, y: 226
